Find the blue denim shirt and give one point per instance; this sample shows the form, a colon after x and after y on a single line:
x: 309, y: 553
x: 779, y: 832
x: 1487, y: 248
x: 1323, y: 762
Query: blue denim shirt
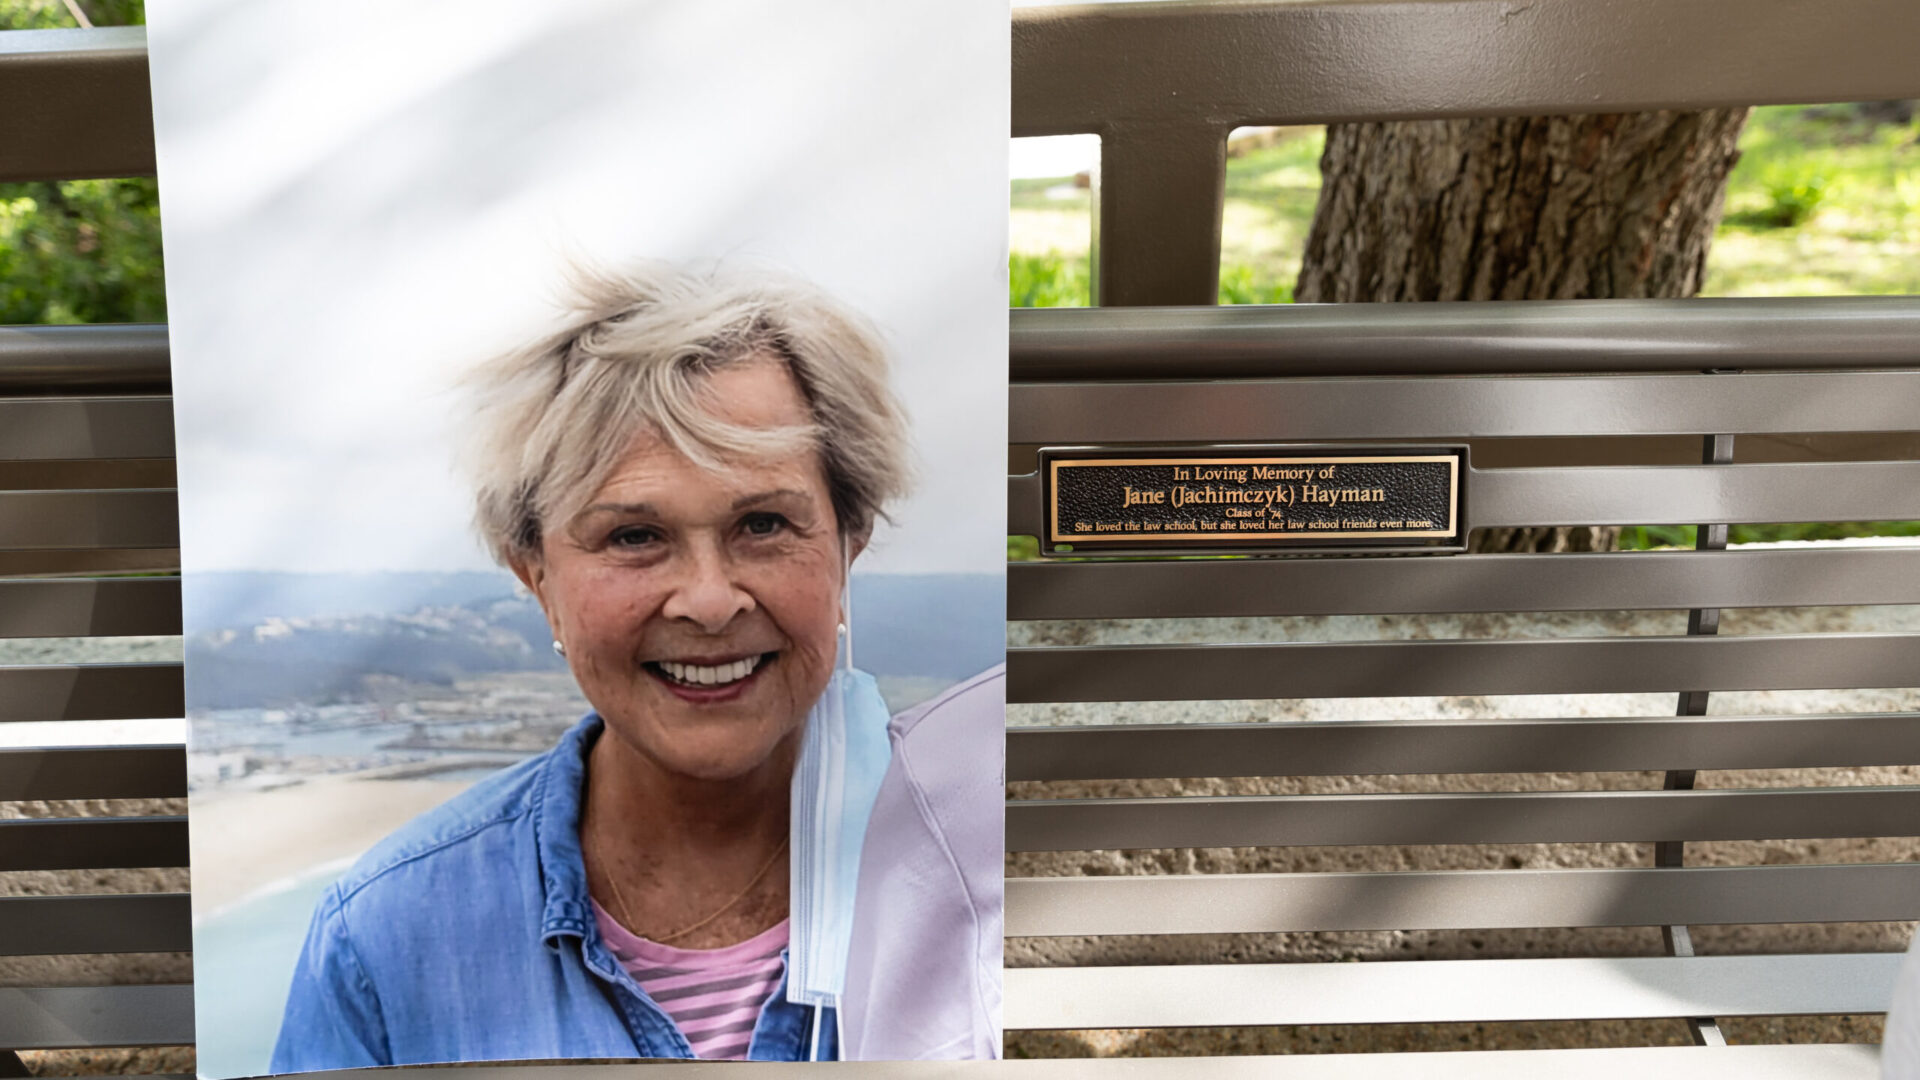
x: 467, y: 936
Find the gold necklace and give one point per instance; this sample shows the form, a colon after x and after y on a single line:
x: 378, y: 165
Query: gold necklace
x: 626, y: 912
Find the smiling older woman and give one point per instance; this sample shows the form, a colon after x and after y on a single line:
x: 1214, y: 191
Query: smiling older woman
x: 682, y: 476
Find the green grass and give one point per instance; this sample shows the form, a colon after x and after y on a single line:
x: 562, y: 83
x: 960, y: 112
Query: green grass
x: 1273, y: 182
x: 1048, y: 279
x: 1054, y: 279
x: 1822, y: 203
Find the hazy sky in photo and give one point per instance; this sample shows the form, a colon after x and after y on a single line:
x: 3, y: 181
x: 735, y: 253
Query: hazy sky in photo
x: 362, y: 200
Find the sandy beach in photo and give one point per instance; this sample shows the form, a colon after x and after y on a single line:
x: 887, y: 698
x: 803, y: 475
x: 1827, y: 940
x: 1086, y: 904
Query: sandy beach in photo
x: 247, y: 842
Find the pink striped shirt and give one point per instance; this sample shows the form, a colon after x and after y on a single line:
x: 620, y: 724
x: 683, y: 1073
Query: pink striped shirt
x: 713, y: 995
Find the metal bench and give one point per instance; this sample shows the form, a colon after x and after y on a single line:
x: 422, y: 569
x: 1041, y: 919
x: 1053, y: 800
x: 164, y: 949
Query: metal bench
x: 84, y: 438
x: 86, y: 475
x: 1579, y: 413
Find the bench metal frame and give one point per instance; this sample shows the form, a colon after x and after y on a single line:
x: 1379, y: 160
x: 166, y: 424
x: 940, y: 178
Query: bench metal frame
x: 1597, y: 412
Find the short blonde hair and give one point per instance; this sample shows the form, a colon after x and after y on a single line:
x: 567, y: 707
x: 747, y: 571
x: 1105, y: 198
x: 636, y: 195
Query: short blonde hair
x: 551, y: 419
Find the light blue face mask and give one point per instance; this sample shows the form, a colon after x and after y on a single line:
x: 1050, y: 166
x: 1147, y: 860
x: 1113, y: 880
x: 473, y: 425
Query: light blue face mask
x: 844, y: 753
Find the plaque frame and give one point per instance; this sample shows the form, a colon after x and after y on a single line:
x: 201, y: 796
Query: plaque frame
x: 1055, y: 545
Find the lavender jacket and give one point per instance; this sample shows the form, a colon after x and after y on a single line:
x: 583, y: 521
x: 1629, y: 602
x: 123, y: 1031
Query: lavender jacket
x: 931, y: 876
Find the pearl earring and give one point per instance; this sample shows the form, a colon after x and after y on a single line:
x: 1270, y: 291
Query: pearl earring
x: 559, y: 649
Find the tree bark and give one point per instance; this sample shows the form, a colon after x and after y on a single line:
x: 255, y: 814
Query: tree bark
x: 1521, y: 208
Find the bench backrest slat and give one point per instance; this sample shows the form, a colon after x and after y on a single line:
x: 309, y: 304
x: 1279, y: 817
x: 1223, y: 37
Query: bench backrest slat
x: 91, y: 112
x: 80, y: 520
x: 99, y: 843
x: 63, y: 1017
x: 1239, y: 588
x: 1399, y: 747
x: 1065, y: 413
x: 92, y: 692
x: 1524, y: 337
x: 1447, y: 991
x: 1543, y: 817
x: 79, y: 429
x: 57, y: 925
x: 92, y: 772
x: 90, y: 607
x: 126, y: 358
x: 1366, y: 669
x: 1457, y: 899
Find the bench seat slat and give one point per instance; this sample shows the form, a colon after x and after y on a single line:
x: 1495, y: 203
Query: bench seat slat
x: 1615, y: 665
x: 77, y: 1017
x: 92, y: 843
x: 1448, y: 991
x: 1615, y: 581
x: 52, y: 925
x: 1564, y: 817
x: 1372, y: 747
x: 92, y: 692
x: 132, y: 518
x: 93, y: 772
x: 78, y: 429
x: 1452, y: 408
x: 90, y: 607
x: 1459, y: 899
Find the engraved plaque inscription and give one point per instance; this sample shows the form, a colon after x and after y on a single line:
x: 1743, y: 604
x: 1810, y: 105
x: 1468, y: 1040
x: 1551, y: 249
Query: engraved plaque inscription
x: 1234, y: 499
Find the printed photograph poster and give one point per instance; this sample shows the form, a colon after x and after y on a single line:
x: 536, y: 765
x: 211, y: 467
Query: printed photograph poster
x: 591, y: 423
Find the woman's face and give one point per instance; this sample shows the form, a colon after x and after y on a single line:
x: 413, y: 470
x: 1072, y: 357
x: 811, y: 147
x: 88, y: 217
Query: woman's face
x: 699, y: 610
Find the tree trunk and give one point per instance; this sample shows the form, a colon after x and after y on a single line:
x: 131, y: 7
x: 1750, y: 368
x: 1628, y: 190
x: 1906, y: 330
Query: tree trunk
x: 1526, y: 208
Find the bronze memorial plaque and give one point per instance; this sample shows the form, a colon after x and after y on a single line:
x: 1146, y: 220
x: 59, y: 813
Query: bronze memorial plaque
x: 1101, y: 500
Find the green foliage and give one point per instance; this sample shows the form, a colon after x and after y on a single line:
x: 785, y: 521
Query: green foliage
x: 1646, y: 537
x: 1239, y: 285
x: 1022, y: 548
x: 1049, y: 279
x: 53, y: 15
x: 81, y: 251
x: 1792, y: 198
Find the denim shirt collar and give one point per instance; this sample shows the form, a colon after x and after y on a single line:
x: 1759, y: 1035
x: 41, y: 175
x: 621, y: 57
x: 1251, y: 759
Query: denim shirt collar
x: 784, y: 1030
x: 556, y: 825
